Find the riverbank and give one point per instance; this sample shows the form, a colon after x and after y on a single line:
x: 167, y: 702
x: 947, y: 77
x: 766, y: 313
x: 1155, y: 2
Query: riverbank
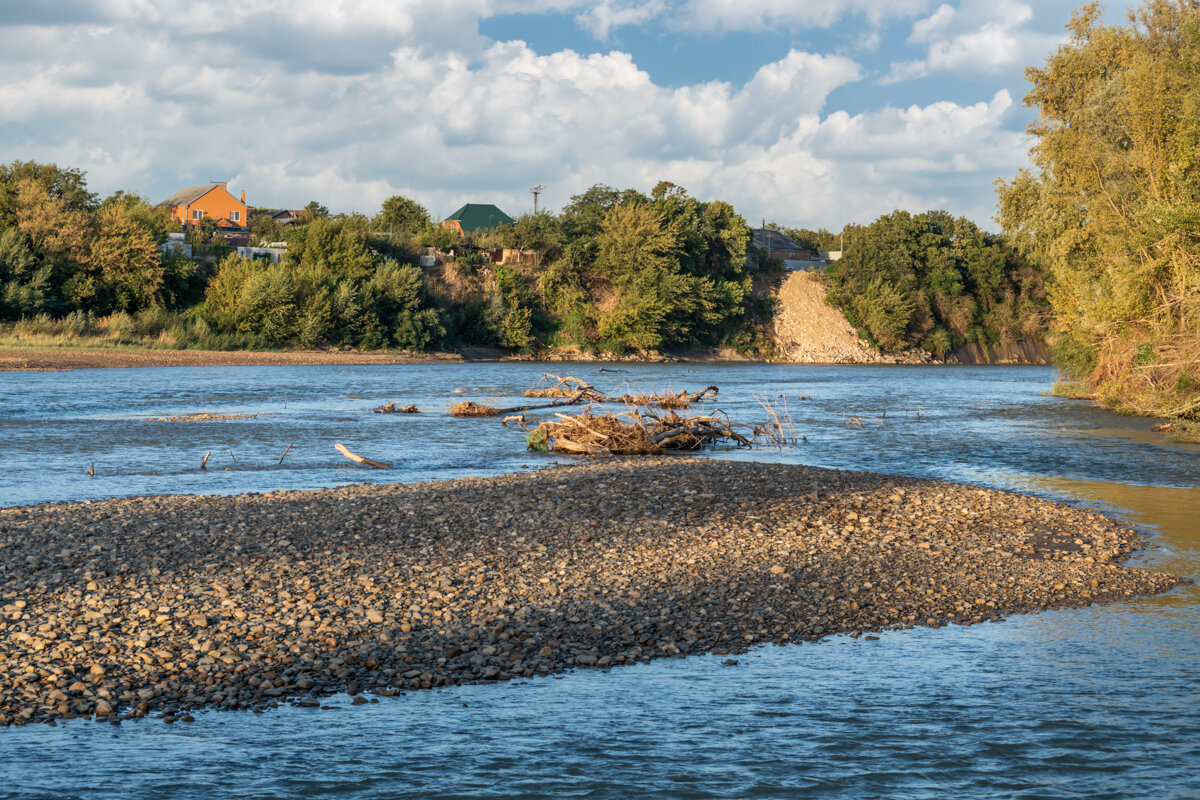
x: 54, y: 359
x: 67, y: 358
x: 165, y: 605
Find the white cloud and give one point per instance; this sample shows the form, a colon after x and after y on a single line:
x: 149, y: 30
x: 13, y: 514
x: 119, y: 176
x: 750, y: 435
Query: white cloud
x: 602, y: 17
x: 981, y: 37
x: 856, y: 167
x: 751, y: 15
x: 350, y: 102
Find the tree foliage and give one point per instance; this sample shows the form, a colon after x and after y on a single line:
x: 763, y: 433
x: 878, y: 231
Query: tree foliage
x: 935, y: 281
x: 616, y: 270
x: 123, y: 268
x: 401, y: 217
x: 1112, y: 204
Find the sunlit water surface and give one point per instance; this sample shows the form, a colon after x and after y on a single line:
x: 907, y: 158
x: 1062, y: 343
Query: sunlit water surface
x: 1101, y: 702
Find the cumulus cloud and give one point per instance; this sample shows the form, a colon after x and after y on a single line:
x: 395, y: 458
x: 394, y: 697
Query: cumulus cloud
x: 981, y: 37
x: 360, y: 99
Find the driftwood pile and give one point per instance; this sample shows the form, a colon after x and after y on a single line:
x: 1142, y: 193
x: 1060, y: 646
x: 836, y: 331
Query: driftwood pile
x: 649, y: 425
x: 578, y: 391
x: 568, y: 391
x: 566, y: 388
x: 678, y: 401
x: 470, y: 409
x: 632, y: 432
x: 391, y: 408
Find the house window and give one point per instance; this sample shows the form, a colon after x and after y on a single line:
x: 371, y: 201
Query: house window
x: 197, y: 213
x: 235, y: 216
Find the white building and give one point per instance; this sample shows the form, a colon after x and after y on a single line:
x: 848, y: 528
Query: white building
x: 272, y: 254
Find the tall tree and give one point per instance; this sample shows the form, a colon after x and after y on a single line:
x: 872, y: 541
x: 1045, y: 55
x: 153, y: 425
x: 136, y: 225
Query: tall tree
x: 25, y: 286
x: 123, y: 270
x: 1112, y: 204
x: 400, y: 217
x: 66, y: 185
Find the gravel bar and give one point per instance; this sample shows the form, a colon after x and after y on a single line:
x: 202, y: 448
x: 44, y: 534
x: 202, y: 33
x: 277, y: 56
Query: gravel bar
x: 164, y: 605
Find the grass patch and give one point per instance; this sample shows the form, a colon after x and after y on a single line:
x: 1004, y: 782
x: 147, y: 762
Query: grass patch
x: 151, y: 329
x: 1073, y: 390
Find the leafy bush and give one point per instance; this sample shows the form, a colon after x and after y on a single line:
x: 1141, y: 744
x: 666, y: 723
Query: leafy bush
x: 78, y: 323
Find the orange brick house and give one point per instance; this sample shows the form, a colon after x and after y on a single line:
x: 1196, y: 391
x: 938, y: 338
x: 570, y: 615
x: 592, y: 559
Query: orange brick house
x: 211, y: 201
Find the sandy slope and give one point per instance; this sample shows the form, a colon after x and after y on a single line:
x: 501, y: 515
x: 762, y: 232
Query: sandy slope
x: 808, y: 330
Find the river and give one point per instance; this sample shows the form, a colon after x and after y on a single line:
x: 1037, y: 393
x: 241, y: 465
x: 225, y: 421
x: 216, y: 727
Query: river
x: 1097, y: 702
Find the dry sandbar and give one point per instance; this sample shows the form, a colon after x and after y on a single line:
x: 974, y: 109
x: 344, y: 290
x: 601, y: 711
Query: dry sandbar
x: 164, y: 605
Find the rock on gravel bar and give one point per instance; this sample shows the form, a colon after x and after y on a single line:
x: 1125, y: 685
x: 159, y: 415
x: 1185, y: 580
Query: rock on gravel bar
x: 164, y: 605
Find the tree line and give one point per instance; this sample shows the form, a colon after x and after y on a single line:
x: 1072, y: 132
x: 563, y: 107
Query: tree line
x: 617, y: 270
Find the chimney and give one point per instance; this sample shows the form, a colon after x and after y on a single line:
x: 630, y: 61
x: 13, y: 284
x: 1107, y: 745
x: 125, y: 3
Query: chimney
x: 243, y: 197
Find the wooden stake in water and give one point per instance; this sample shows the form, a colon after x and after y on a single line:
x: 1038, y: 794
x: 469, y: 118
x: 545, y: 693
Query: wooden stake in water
x: 92, y: 469
x: 205, y: 461
x: 285, y: 452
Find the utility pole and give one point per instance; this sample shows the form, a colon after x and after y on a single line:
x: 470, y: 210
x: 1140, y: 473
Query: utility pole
x: 536, y: 190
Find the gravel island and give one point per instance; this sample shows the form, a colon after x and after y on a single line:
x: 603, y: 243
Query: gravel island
x: 165, y: 605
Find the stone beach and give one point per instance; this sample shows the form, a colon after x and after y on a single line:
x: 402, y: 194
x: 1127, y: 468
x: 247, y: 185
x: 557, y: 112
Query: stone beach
x: 166, y: 605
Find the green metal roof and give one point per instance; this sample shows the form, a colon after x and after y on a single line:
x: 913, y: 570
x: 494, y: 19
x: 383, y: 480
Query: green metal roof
x: 474, y: 216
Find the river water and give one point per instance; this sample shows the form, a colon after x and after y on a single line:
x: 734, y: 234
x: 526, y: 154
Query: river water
x: 1102, y: 702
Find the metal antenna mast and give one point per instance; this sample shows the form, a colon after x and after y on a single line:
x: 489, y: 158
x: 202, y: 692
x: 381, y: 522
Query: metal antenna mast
x: 536, y: 190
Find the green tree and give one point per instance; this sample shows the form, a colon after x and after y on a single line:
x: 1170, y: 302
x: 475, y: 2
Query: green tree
x: 69, y: 186
x: 400, y: 218
x: 815, y: 241
x: 398, y: 295
x: 935, y: 281
x: 338, y: 246
x: 636, y: 251
x: 265, y: 228
x: 314, y: 210
x: 582, y: 219
x: 123, y: 270
x: 438, y: 237
x: 57, y: 230
x: 154, y: 218
x: 257, y: 298
x: 25, y: 286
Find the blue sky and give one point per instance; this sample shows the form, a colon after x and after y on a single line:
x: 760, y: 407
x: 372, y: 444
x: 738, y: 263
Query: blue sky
x: 806, y: 112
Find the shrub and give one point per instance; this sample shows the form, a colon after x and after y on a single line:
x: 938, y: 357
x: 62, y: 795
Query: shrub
x: 78, y: 323
x: 120, y: 325
x: 937, y: 342
x: 37, y: 325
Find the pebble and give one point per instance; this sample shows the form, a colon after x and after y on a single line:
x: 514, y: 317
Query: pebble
x: 161, y: 606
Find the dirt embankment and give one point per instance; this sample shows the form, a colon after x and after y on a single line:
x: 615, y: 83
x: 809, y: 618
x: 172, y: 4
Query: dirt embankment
x: 1012, y: 353
x: 808, y: 330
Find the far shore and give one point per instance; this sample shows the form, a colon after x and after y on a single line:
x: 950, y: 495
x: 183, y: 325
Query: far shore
x: 52, y: 359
